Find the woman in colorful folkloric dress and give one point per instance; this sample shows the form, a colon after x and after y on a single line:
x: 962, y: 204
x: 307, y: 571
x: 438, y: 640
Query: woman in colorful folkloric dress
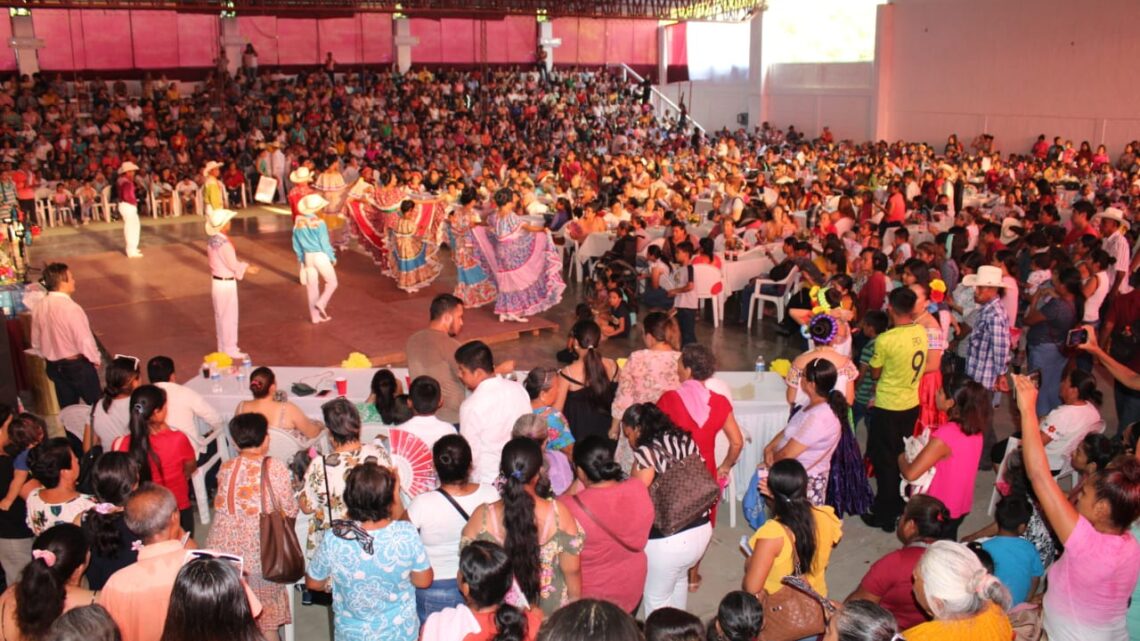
x: 473, y: 285
x: 388, y: 196
x: 414, y: 257
x: 526, y: 264
x: 330, y: 185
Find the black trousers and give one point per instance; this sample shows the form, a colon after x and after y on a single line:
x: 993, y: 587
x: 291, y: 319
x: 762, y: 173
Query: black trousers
x: 75, y: 380
x: 885, y: 432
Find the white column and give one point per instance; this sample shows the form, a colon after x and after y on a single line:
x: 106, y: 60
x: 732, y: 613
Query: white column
x: 233, y: 43
x: 25, y: 43
x: 404, y: 41
x: 548, y: 42
x: 882, y: 72
x: 757, y: 73
x: 663, y: 48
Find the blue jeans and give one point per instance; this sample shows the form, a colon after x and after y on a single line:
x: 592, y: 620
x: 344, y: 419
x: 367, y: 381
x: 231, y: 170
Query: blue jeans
x: 441, y: 594
x: 687, y: 323
x: 1050, y: 361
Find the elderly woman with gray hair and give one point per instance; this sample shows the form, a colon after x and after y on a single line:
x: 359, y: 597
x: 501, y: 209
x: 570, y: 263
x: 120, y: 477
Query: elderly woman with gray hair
x: 965, y: 601
x: 555, y: 466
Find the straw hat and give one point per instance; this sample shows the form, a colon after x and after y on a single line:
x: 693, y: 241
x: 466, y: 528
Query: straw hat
x: 1112, y: 213
x: 312, y: 204
x: 216, y: 219
x: 127, y: 166
x: 987, y: 276
x: 211, y: 166
x: 301, y: 175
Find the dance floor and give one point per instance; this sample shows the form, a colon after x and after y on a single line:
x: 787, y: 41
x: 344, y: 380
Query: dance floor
x: 161, y: 303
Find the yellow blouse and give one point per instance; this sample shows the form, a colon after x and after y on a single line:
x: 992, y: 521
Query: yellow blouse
x: 991, y: 624
x: 828, y: 531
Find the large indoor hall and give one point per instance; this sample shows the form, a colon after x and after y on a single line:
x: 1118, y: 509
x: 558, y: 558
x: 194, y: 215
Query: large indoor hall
x: 593, y: 320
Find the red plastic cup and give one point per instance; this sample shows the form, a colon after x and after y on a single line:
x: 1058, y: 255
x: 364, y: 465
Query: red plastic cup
x: 341, y: 386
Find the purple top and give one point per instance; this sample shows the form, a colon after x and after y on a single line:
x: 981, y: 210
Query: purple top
x: 127, y: 191
x: 954, y: 475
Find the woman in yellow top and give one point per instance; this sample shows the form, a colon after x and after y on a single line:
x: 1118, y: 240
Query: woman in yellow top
x: 811, y: 532
x: 966, y: 601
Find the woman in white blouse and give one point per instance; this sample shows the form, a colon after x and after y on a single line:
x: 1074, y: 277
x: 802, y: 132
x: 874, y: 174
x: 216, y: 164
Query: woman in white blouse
x: 111, y: 414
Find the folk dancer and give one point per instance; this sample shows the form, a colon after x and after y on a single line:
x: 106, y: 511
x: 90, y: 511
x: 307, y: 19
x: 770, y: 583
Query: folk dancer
x: 226, y: 270
x: 129, y: 208
x: 212, y: 189
x: 301, y: 178
x: 316, y: 255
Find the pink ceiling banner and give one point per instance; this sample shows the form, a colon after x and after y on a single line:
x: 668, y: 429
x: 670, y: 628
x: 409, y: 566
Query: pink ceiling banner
x: 619, y: 41
x: 54, y: 27
x: 512, y: 40
x: 297, y: 42
x: 261, y: 32
x: 199, y: 39
x: 155, y: 36
x: 677, y: 69
x: 341, y: 36
x: 7, y: 54
x: 460, y: 41
x: 643, y: 35
x: 428, y: 51
x: 376, y: 30
x: 107, y: 38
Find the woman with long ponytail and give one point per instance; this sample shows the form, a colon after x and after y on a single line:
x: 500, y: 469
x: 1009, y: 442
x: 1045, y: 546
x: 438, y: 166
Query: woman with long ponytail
x: 114, y: 476
x: 163, y: 455
x: 540, y: 535
x: 110, y: 414
x: 47, y: 585
x: 797, y: 540
x: 813, y: 433
x: 588, y: 384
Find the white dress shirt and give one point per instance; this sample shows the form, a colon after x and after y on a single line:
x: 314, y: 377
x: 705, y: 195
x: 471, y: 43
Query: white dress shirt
x: 485, y: 420
x: 183, y: 405
x: 428, y: 429
x: 60, y: 329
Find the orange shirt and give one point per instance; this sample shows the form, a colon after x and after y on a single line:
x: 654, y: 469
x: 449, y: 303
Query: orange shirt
x: 138, y: 595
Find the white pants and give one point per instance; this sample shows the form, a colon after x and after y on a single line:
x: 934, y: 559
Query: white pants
x: 319, y: 263
x: 130, y: 216
x: 225, y: 297
x: 667, y: 581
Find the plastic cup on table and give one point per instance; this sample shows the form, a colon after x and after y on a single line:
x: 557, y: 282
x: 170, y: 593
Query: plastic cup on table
x: 341, y: 386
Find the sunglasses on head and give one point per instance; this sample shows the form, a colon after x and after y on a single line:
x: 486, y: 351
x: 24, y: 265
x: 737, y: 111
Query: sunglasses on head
x: 133, y: 359
x: 237, y: 561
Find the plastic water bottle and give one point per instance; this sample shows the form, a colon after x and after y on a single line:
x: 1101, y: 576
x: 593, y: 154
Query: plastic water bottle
x: 761, y: 366
x: 216, y: 381
x: 244, y: 371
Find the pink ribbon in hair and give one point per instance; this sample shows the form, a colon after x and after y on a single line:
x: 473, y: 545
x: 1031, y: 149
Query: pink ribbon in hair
x: 47, y: 556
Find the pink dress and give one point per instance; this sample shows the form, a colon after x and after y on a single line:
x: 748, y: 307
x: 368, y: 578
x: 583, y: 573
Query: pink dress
x: 954, y: 475
x: 236, y: 528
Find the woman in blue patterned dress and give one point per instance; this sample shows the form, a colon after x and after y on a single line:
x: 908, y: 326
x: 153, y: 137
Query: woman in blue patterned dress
x: 372, y: 562
x: 526, y: 264
x: 473, y: 286
x: 414, y: 255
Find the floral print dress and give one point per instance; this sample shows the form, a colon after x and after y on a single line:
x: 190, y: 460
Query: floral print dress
x: 42, y: 515
x: 647, y: 375
x: 237, y: 526
x: 314, y: 498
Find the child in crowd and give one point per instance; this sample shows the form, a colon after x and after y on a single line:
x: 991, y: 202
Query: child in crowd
x: 672, y: 624
x: 683, y: 294
x: 739, y: 617
x: 24, y: 432
x: 485, y: 578
x: 620, y: 317
x: 1015, y: 560
x: 1042, y: 272
x: 902, y: 249
x: 874, y: 323
x: 540, y: 386
x: 425, y: 399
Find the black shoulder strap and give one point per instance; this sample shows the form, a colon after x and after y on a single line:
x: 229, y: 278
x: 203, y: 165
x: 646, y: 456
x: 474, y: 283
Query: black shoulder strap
x: 455, y: 504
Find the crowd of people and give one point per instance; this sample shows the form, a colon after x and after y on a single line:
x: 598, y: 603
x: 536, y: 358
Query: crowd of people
x: 559, y: 508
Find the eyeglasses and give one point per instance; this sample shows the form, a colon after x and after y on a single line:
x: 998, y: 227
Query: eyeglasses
x: 194, y: 555
x: 133, y: 359
x: 350, y: 531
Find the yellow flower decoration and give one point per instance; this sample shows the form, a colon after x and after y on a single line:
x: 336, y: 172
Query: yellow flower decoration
x: 813, y: 292
x: 219, y: 360
x: 356, y: 360
x: 781, y: 366
x: 938, y: 285
x: 819, y: 309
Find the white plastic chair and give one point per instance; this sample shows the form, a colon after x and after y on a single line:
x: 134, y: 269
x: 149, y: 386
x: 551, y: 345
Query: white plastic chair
x: 656, y: 242
x: 198, y: 478
x: 73, y: 419
x: 721, y: 449
x: 44, y: 210
x: 104, y: 203
x: 756, y: 306
x: 705, y: 280
x: 283, y: 445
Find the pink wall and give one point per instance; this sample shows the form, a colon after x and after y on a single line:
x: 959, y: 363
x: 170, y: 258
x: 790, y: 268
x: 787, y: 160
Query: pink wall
x: 7, y: 54
x: 363, y: 38
x: 593, y: 41
x: 1015, y: 68
x: 464, y: 41
x: 116, y: 40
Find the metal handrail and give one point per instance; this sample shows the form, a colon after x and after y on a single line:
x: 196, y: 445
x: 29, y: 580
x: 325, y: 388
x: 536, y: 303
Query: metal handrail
x: 662, y: 101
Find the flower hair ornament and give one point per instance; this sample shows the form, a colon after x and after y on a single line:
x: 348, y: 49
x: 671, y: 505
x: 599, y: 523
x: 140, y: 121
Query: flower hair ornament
x: 818, y: 297
x: 47, y: 556
x: 821, y: 329
x: 937, y: 290
x: 106, y: 508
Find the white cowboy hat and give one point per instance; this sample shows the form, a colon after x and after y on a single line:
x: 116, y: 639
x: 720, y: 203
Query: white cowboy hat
x: 211, y: 166
x: 987, y: 276
x: 1112, y: 213
x: 311, y: 204
x: 216, y: 219
x: 128, y: 166
x: 300, y: 175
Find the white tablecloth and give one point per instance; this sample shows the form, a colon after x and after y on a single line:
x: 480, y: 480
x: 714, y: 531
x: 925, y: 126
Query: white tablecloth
x: 595, y: 245
x: 737, y: 273
x: 759, y: 404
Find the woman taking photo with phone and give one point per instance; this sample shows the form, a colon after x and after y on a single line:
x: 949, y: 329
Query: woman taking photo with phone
x: 1053, y: 311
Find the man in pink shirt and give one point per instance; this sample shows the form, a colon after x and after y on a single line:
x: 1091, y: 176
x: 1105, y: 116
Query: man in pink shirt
x: 138, y: 596
x: 226, y: 270
x: 61, y: 334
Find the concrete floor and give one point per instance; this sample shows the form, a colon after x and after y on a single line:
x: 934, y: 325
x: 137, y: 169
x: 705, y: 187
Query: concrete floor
x: 736, y: 349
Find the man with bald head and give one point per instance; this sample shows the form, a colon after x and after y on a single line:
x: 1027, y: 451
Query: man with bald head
x: 138, y: 595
